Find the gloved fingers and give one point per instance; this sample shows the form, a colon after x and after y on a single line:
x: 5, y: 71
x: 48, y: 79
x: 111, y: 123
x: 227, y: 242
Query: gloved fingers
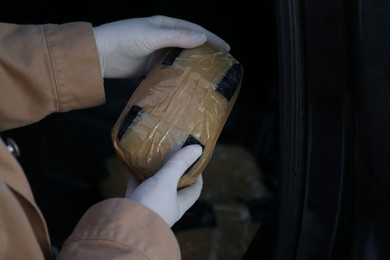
x: 128, y: 48
x: 176, y: 37
x: 175, y: 23
x: 159, y: 192
x: 189, y: 195
x: 179, y: 163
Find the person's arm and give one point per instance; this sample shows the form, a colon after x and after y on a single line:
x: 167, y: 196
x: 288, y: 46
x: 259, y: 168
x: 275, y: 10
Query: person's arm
x: 46, y: 69
x: 138, y: 226
x: 56, y: 68
x: 119, y: 228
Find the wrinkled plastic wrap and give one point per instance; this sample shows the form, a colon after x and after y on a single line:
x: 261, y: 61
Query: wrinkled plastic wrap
x: 186, y: 98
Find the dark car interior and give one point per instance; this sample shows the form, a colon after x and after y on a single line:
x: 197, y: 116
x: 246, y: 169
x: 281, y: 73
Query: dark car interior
x: 299, y: 170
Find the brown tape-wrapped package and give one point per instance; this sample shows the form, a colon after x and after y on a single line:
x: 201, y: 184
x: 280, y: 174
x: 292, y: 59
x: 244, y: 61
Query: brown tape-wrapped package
x: 186, y: 98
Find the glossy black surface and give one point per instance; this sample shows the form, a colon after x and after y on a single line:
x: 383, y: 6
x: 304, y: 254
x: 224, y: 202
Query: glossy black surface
x: 372, y: 80
x: 335, y: 145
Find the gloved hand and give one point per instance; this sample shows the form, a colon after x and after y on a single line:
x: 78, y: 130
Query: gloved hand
x: 159, y: 192
x: 128, y: 48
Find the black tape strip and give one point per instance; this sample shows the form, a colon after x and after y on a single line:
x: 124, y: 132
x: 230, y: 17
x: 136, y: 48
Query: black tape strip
x: 127, y: 121
x: 191, y: 140
x: 172, y: 56
x: 230, y: 82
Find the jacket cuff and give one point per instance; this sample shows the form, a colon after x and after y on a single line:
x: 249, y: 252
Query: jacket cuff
x: 78, y: 80
x: 123, y: 226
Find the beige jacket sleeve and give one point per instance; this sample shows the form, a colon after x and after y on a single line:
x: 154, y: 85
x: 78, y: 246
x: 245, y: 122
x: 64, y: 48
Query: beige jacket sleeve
x: 121, y: 229
x: 46, y: 69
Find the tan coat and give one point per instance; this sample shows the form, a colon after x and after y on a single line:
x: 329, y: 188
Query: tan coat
x: 55, y: 68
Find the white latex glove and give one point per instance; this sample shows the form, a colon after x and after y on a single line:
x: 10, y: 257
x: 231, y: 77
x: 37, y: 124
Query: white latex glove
x: 127, y: 48
x: 159, y: 192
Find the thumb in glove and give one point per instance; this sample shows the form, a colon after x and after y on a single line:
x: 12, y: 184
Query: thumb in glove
x: 159, y: 192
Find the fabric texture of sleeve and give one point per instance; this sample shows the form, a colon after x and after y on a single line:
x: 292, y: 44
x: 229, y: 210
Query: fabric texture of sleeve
x: 46, y: 69
x: 120, y: 228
